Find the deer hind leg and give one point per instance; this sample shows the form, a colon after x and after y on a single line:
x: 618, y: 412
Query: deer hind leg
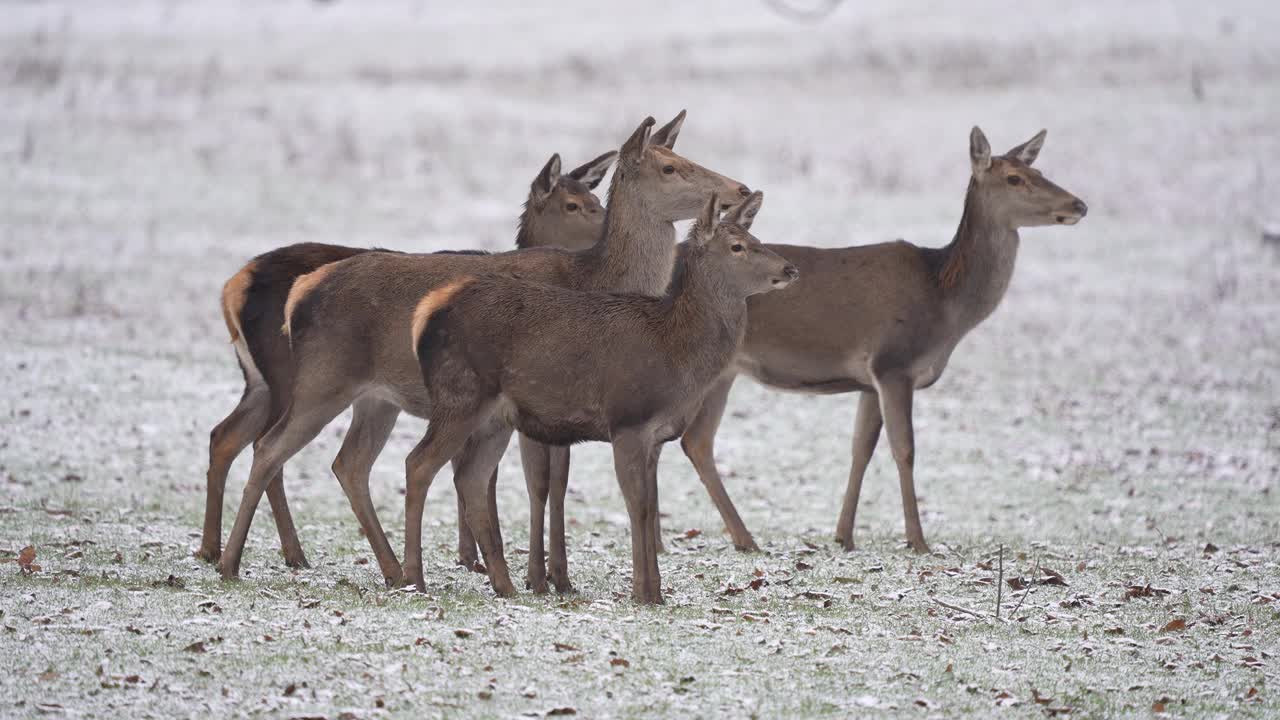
x: 304, y: 419
x: 475, y: 483
x: 228, y: 439
x: 895, y: 406
x: 445, y: 437
x: 372, y: 421
x: 656, y: 535
x: 535, y: 458
x: 699, y: 445
x: 635, y: 463
x: 559, y: 486
x: 866, y: 432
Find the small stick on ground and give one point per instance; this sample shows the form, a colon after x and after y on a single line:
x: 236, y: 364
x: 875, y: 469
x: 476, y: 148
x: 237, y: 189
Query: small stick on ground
x: 957, y: 608
x: 1000, y: 583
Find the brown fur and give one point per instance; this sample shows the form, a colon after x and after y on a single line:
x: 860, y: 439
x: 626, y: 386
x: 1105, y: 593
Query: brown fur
x: 234, y: 295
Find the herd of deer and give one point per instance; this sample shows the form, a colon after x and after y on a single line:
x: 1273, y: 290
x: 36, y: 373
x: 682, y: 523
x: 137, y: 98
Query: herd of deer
x: 599, y: 327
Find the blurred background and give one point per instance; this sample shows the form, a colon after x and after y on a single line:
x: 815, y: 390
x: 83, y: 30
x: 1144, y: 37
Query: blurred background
x: 149, y: 149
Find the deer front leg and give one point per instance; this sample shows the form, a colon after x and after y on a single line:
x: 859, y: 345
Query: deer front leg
x: 632, y: 459
x: 446, y: 436
x: 699, y: 445
x: 866, y: 431
x: 895, y: 406
x: 559, y: 486
x: 371, y: 424
x: 535, y: 458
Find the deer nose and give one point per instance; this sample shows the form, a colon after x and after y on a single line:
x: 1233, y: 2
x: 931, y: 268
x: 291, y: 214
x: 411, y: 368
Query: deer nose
x: 1080, y: 208
x: 744, y: 191
x: 791, y: 271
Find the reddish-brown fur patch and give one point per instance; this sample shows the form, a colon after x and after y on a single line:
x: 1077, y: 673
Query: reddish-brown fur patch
x: 234, y: 294
x: 430, y: 303
x: 301, y: 288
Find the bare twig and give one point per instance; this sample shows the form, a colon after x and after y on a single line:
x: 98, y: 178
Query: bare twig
x: 1000, y: 583
x: 957, y: 608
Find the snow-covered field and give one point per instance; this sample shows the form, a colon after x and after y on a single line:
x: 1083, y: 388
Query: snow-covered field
x: 1117, y: 421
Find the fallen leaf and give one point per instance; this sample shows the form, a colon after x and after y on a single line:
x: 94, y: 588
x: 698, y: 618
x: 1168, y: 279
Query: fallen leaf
x: 1174, y: 625
x: 1052, y: 577
x: 27, y: 559
x: 564, y: 647
x: 195, y: 647
x: 690, y: 534
x: 619, y: 662
x: 463, y: 633
x: 1210, y: 548
x: 802, y: 565
x: 554, y: 712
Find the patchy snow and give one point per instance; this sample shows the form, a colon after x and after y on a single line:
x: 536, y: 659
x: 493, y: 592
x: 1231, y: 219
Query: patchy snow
x: 1118, y: 413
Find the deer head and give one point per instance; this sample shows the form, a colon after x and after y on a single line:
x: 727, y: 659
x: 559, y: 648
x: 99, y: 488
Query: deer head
x: 1015, y: 193
x: 673, y: 187
x: 740, y: 261
x: 561, y: 209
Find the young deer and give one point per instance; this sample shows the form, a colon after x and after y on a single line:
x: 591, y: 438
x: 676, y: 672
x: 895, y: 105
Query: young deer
x: 349, y: 323
x: 883, y: 320
x: 561, y: 210
x: 500, y: 347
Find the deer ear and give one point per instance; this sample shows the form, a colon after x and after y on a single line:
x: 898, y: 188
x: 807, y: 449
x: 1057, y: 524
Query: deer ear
x: 705, y: 226
x: 979, y: 151
x: 593, y: 171
x: 667, y: 134
x: 546, y: 181
x: 1028, y: 151
x: 744, y: 213
x: 633, y: 148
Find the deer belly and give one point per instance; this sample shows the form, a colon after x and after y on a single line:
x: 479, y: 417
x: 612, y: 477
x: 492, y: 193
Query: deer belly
x: 552, y: 425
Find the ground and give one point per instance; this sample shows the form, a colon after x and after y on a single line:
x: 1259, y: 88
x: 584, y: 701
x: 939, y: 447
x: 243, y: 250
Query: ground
x: 1116, y: 422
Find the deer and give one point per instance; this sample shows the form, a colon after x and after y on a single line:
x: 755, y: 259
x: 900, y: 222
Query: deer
x: 883, y: 320
x: 560, y: 210
x: 348, y: 324
x: 495, y: 347
x: 880, y: 320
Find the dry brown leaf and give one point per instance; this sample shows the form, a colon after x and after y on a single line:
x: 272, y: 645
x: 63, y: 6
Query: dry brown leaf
x: 463, y: 632
x: 27, y: 560
x: 559, y: 711
x: 619, y: 662
x: 564, y: 647
x: 692, y: 533
x: 1174, y: 625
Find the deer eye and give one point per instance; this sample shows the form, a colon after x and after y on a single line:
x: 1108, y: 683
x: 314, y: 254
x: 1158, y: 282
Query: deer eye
x: 668, y: 169
x: 571, y: 207
x: 1014, y: 180
x: 736, y: 247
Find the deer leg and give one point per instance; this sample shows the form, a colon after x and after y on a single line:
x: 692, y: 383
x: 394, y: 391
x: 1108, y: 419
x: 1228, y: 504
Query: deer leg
x: 468, y: 555
x: 656, y: 536
x: 231, y: 436
x: 866, y: 431
x: 290, y: 547
x: 895, y: 406
x: 372, y: 421
x: 445, y: 437
x: 304, y: 419
x: 699, y: 444
x: 477, y: 470
x: 633, y: 459
x: 559, y: 476
x: 535, y: 458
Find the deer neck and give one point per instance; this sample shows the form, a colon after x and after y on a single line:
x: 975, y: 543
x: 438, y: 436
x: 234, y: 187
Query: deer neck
x: 707, y: 317
x: 637, y: 251
x: 978, y: 264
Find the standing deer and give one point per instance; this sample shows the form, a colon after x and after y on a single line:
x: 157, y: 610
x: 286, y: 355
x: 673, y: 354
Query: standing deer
x: 883, y: 320
x: 560, y: 210
x: 500, y: 347
x: 349, y: 324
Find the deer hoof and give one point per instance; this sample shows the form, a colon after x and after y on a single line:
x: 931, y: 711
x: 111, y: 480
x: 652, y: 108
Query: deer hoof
x: 538, y: 586
x: 297, y: 562
x: 749, y: 546
x: 919, y: 546
x: 209, y: 555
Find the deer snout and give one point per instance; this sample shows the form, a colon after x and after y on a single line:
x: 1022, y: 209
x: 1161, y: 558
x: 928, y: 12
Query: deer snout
x: 1071, y: 216
x: 743, y: 191
x: 790, y: 274
x: 1080, y: 207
